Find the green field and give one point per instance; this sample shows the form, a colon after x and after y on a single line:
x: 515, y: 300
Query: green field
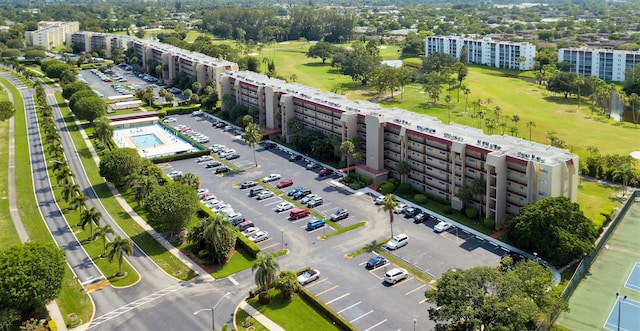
x: 8, y: 234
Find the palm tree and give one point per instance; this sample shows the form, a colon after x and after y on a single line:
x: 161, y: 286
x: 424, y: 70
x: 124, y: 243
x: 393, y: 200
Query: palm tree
x: 252, y: 136
x: 389, y: 204
x: 222, y: 235
x: 102, y: 129
x: 266, y: 269
x: 403, y: 168
x: 530, y: 125
x: 515, y: 119
x: 119, y: 247
x: 77, y: 202
x: 480, y: 115
x: 63, y: 176
x: 497, y: 111
x: 478, y: 188
x: 490, y: 124
x: 447, y: 99
x: 579, y: 83
x: 142, y: 186
x: 633, y: 99
x: 101, y: 232
x: 90, y: 216
x: 69, y: 191
x: 189, y: 179
x: 347, y: 149
x: 624, y: 172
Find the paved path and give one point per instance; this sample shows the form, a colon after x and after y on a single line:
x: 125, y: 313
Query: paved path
x: 52, y: 307
x: 269, y: 324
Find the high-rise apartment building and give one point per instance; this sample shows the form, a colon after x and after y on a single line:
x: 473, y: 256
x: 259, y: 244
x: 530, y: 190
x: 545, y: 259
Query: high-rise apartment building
x: 51, y: 34
x: 606, y: 64
x: 485, y: 51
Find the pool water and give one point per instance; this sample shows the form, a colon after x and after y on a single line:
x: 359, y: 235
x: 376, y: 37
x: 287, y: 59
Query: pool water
x: 146, y: 140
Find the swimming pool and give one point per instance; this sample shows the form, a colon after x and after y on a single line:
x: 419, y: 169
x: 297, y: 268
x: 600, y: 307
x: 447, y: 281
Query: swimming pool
x: 146, y: 140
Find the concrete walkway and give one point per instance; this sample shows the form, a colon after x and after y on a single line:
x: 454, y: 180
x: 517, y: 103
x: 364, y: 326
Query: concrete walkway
x: 52, y: 307
x: 269, y: 324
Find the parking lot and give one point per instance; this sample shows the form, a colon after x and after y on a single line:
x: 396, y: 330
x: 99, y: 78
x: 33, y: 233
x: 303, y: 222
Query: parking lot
x: 359, y: 295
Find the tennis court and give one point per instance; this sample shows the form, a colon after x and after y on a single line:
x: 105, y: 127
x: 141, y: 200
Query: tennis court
x: 594, y: 305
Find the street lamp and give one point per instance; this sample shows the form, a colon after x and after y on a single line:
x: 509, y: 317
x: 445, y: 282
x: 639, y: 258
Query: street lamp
x: 213, y: 311
x: 282, y: 239
x: 617, y: 299
x: 414, y: 324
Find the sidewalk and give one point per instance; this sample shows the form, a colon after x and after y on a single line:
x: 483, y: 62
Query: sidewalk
x: 269, y: 324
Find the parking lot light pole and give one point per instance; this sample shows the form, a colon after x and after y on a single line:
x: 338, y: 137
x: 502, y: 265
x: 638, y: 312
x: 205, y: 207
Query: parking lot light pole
x: 619, y: 308
x: 282, y: 239
x: 213, y: 311
x: 414, y: 324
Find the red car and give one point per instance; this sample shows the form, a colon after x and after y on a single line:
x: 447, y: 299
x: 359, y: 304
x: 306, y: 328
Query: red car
x: 285, y: 183
x: 326, y: 172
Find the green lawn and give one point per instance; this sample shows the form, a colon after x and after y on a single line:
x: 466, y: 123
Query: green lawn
x: 291, y: 315
x: 8, y: 234
x: 244, y: 321
x: 238, y: 262
x: 167, y: 261
x: 76, y: 300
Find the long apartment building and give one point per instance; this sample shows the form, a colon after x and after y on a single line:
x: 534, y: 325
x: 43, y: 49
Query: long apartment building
x: 51, y: 34
x: 443, y: 157
x: 606, y: 64
x: 485, y: 51
x: 102, y: 43
x: 173, y: 59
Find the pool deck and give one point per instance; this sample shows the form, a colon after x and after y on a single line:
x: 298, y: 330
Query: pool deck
x: 171, y: 144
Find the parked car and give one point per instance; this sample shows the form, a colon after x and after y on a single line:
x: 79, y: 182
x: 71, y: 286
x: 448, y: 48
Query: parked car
x: 339, y: 214
x: 169, y: 119
x: 315, y: 223
x: 411, y: 212
x: 295, y: 157
x: 294, y: 190
x: 174, y: 174
x: 399, y: 208
x: 222, y: 170
x: 212, y: 164
x: 245, y: 225
x: 395, y: 275
x: 442, y: 226
x: 379, y: 199
x: 259, y: 236
x: 220, y: 125
x: 326, y: 172
x: 308, y: 276
x: 284, y: 206
x: 421, y: 218
x: 312, y: 165
x: 264, y: 195
x: 232, y: 156
x: 285, y: 183
x: 249, y: 231
x: 397, y: 241
x: 301, y: 194
x: 307, y: 198
x: 377, y: 261
x: 270, y: 145
x: 315, y: 202
x: 271, y: 178
x: 248, y: 184
x: 255, y: 191
x: 298, y: 213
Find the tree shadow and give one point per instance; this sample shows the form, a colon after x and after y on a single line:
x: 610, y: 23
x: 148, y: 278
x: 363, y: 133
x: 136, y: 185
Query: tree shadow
x: 560, y: 100
x: 316, y: 64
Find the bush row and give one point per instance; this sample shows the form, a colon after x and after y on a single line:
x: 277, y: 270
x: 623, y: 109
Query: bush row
x: 324, y: 310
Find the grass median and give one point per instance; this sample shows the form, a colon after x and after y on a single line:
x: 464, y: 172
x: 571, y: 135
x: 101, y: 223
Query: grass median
x: 8, y: 233
x: 161, y: 256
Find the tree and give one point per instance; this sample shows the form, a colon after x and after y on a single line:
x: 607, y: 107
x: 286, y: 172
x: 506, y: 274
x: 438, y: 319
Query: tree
x: 142, y: 186
x: 8, y: 316
x: 567, y: 232
x: 220, y: 237
x: 102, y: 129
x: 531, y: 125
x: 433, y: 86
x: 70, y: 89
x: 562, y: 82
x: 389, y: 204
x: 403, y: 169
x: 90, y: 108
x: 90, y: 217
x: 634, y: 99
x: 69, y: 191
x: 7, y: 110
x: 624, y: 172
x: 116, y: 165
x: 322, y: 50
x: 347, y: 148
x: 495, y: 298
x: 359, y: 62
x: 171, y: 207
x: 461, y: 73
x: 79, y: 96
x: 77, y: 202
x: 287, y: 283
x: 31, y: 275
x: 447, y: 99
x: 190, y: 180
x: 466, y: 91
x: 438, y: 62
x: 265, y: 269
x: 119, y: 247
x: 252, y: 136
x: 101, y: 232
x: 63, y: 177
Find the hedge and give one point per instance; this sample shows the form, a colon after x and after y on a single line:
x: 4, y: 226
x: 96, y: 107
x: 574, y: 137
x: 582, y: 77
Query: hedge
x: 489, y: 223
x: 325, y: 310
x: 471, y: 213
x: 176, y: 157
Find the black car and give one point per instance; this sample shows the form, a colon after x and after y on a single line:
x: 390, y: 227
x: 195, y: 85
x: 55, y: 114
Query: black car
x: 375, y: 262
x: 220, y: 125
x: 222, y: 170
x: 421, y: 217
x: 237, y: 220
x: 212, y: 164
x: 411, y: 212
x: 248, y: 184
x: 295, y: 157
x: 270, y: 145
x: 232, y: 156
x: 301, y: 194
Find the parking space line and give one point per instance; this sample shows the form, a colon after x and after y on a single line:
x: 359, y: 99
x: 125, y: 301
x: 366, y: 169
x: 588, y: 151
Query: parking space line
x: 273, y: 245
x: 336, y: 299
x: 361, y: 316
x: 316, y: 282
x: 353, y: 305
x: 274, y: 202
x: 422, y: 301
x: 415, y: 289
x: 376, y: 325
x: 327, y: 290
x: 373, y: 272
x: 402, y: 282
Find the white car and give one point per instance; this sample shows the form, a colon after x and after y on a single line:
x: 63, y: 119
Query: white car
x: 249, y: 231
x: 399, y: 208
x: 174, y: 174
x: 271, y: 178
x: 284, y: 206
x: 220, y: 207
x: 379, y: 199
x: 213, y: 203
x: 205, y: 158
x: 202, y: 190
x: 397, y: 241
x: 259, y: 236
x: 442, y: 226
x: 264, y: 195
x: 395, y: 275
x: 308, y: 276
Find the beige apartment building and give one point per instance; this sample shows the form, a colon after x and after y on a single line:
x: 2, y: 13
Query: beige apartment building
x: 51, y: 34
x: 443, y: 157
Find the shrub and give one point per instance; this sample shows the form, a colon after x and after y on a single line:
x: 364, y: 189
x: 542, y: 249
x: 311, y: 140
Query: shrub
x: 405, y: 190
x: 420, y: 198
x: 380, y: 184
x: 324, y: 310
x: 250, y: 247
x: 447, y: 210
x: 395, y: 181
x: 366, y: 180
x: 386, y: 188
x: 356, y: 185
x: 203, y: 254
x: 489, y: 223
x: 264, y: 297
x: 471, y: 212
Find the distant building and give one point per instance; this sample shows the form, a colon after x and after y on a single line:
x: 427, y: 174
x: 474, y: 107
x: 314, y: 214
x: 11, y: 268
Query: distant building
x: 51, y: 34
x: 443, y: 158
x: 606, y: 64
x: 485, y: 51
